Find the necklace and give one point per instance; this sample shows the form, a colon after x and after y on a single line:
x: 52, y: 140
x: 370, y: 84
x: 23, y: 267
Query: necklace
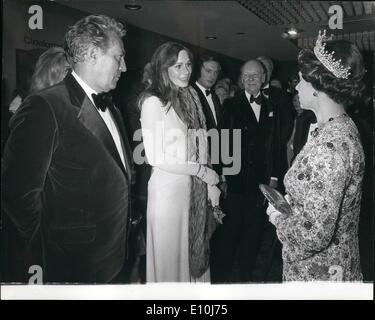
x: 337, y: 116
x: 316, y: 131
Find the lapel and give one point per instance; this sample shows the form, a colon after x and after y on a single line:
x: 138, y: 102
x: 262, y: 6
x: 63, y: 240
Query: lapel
x: 124, y: 140
x: 266, y: 118
x: 217, y: 105
x: 247, y: 110
x: 91, y: 119
x: 264, y: 112
x: 210, y: 120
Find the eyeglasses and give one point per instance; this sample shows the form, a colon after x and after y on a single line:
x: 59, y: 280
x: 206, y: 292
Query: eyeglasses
x: 255, y: 76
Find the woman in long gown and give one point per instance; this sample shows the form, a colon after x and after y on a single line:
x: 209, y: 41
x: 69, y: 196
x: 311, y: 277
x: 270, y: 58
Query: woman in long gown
x: 323, y: 185
x: 181, y: 182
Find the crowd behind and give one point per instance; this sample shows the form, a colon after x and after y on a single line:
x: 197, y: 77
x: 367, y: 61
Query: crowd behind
x: 187, y: 221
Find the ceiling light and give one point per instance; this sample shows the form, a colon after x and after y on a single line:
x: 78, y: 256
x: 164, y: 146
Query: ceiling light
x: 131, y: 5
x: 211, y: 37
x: 291, y: 33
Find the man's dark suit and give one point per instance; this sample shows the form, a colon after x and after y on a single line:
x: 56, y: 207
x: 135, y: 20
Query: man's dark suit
x: 210, y: 120
x: 269, y: 263
x: 278, y: 97
x: 62, y: 174
x: 303, y: 122
x: 245, y: 205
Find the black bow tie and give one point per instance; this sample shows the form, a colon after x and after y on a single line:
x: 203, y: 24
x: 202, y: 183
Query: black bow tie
x: 208, y: 92
x: 102, y: 100
x: 257, y: 100
x: 266, y: 91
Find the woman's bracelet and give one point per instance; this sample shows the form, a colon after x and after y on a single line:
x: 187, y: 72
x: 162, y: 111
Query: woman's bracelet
x: 202, y: 171
x: 199, y: 169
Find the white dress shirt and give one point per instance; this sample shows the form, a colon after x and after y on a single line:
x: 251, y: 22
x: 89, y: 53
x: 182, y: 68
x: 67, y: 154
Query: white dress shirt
x: 106, y: 116
x: 208, y: 98
x: 254, y: 105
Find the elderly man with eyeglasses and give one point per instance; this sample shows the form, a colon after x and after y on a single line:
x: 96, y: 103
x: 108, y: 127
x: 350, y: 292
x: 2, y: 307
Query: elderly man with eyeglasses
x: 237, y: 240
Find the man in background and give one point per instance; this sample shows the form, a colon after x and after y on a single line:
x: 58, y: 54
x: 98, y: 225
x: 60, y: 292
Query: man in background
x: 236, y: 242
x: 208, y: 72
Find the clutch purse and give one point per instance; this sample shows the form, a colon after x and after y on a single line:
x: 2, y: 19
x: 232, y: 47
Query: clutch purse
x: 276, y: 199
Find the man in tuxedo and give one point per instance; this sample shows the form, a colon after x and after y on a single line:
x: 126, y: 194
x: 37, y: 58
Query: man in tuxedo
x: 257, y: 118
x: 269, y: 264
x: 208, y: 72
x: 67, y: 163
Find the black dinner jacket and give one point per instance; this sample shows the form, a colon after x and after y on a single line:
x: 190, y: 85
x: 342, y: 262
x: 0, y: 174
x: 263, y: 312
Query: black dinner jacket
x: 260, y: 142
x: 303, y: 122
x: 210, y: 119
x: 284, y: 102
x: 62, y: 174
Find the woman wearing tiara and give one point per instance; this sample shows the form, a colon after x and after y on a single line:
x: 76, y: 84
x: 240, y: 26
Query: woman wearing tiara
x: 323, y: 185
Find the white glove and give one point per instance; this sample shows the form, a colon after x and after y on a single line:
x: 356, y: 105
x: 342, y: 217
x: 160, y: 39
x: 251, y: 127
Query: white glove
x: 287, y: 198
x: 272, y: 213
x: 15, y: 104
x: 213, y: 195
x: 208, y: 175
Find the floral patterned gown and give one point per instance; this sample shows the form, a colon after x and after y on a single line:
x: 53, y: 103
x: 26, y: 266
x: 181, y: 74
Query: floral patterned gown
x: 320, y: 238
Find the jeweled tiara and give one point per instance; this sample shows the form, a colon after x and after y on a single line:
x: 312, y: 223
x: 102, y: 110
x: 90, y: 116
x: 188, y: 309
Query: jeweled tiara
x: 327, y: 59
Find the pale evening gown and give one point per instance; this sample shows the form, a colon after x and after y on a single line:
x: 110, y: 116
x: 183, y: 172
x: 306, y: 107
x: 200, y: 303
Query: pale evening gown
x: 165, y: 141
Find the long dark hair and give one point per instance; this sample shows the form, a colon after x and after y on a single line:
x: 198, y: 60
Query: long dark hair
x: 160, y: 85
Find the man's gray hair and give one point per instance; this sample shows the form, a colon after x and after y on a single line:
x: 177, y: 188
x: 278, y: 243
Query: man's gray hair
x: 93, y: 30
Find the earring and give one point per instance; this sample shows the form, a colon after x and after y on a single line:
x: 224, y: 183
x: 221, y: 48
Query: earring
x: 315, y: 94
